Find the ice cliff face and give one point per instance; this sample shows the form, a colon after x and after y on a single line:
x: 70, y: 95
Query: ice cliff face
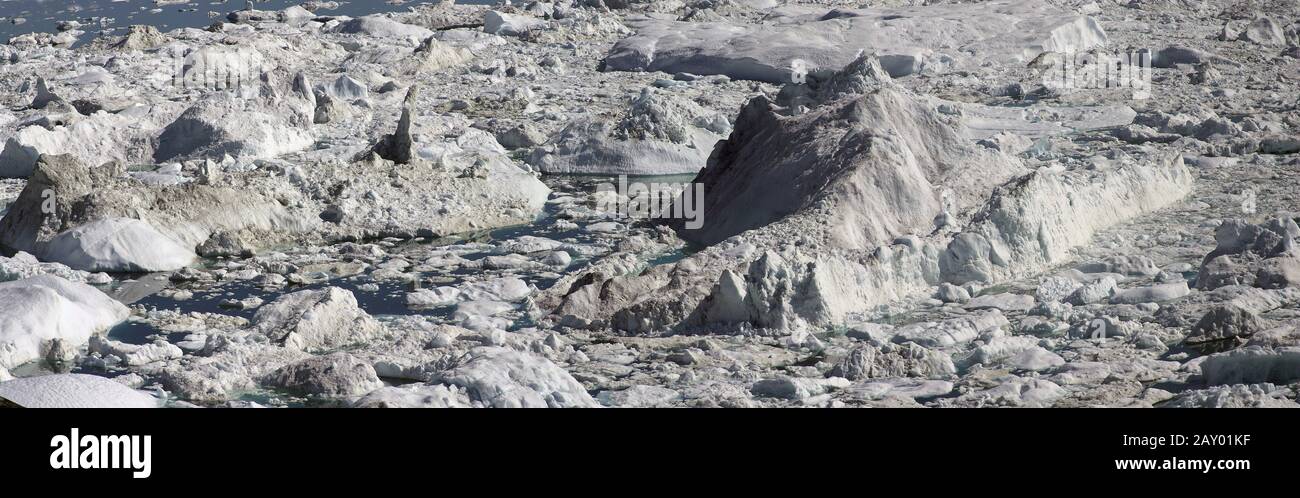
x: 49, y: 317
x: 867, y: 197
x: 870, y: 161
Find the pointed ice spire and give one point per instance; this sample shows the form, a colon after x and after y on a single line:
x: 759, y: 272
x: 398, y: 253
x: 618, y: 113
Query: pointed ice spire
x: 398, y: 146
x: 43, y: 95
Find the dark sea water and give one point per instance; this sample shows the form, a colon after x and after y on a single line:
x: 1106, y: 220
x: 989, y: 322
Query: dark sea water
x: 117, y: 15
